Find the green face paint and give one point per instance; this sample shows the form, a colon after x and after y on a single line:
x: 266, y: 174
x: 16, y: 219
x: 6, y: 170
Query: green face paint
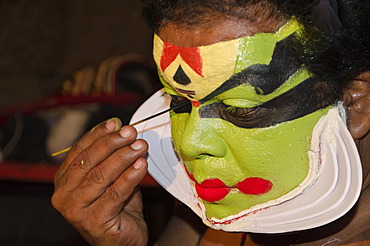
x: 246, y: 96
x: 195, y: 72
x: 214, y: 148
x: 234, y: 162
x: 258, y: 49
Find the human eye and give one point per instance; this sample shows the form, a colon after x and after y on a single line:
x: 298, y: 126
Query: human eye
x: 236, y: 112
x: 239, y: 113
x: 180, y: 104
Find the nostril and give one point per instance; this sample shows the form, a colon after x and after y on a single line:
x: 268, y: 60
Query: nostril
x: 204, y: 156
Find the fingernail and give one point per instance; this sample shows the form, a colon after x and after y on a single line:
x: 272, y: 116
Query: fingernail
x: 110, y: 125
x: 125, y: 132
x: 138, y: 164
x: 137, y: 145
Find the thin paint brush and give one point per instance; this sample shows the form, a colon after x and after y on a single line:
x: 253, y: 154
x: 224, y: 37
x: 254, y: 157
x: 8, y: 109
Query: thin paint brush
x: 61, y: 151
x: 133, y: 124
x: 153, y: 116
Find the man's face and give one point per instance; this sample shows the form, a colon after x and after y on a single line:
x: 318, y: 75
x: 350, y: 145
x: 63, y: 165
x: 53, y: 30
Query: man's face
x: 241, y: 135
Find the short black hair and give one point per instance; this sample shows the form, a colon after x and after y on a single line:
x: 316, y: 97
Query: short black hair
x: 157, y: 13
x: 345, y: 54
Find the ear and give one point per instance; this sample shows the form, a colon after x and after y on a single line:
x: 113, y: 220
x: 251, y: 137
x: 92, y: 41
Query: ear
x: 356, y: 97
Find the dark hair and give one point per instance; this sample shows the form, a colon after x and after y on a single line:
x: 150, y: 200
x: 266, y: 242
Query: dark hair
x: 345, y: 54
x: 157, y: 13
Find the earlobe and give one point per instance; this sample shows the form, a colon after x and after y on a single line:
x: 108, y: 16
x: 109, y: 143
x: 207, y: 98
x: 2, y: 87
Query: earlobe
x: 356, y: 98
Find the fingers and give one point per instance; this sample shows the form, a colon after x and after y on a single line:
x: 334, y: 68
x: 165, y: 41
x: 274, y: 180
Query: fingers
x: 122, y: 190
x: 96, y: 184
x: 103, y: 175
x: 106, y: 127
x: 101, y: 156
x: 110, y: 153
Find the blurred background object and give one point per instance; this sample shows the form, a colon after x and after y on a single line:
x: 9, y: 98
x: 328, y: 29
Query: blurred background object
x: 43, y: 42
x: 64, y: 67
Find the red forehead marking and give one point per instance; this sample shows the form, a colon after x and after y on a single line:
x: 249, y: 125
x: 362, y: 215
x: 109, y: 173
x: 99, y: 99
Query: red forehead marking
x: 195, y: 103
x: 191, y: 55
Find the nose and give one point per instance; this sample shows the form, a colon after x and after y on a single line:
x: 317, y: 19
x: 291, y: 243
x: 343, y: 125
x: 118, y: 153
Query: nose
x: 202, y: 137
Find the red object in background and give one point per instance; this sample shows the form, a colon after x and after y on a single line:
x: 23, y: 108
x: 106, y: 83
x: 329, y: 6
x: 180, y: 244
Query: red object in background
x: 62, y: 100
x: 45, y: 172
x: 33, y: 172
x: 41, y: 173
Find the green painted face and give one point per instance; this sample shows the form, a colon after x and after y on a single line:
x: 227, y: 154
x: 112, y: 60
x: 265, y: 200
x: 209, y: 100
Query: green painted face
x: 246, y: 140
x: 214, y: 148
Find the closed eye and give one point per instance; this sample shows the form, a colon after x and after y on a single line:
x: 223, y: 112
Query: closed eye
x: 244, y: 117
x: 241, y: 117
x: 240, y: 113
x: 180, y: 104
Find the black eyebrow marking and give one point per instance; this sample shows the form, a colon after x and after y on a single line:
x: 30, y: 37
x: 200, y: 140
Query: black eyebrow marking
x: 265, y: 78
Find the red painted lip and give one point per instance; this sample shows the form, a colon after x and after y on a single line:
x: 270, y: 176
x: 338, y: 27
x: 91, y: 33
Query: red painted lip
x: 254, y: 186
x: 214, y: 190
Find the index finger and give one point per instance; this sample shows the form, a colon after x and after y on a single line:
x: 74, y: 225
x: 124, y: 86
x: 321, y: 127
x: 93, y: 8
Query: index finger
x: 97, y: 132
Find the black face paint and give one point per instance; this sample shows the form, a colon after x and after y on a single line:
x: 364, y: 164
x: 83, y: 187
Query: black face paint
x: 289, y: 106
x: 176, y: 101
x: 181, y: 77
x: 266, y: 78
x: 305, y: 98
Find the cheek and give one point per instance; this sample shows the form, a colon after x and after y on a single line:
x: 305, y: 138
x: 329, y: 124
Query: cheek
x: 274, y: 153
x: 178, y: 123
x: 271, y: 153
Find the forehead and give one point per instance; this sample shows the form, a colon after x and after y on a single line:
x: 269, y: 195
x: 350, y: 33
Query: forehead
x: 197, y: 71
x: 217, y: 31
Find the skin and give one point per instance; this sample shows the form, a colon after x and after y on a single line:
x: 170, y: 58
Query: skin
x: 96, y: 186
x: 356, y: 96
x: 222, y: 30
x: 100, y: 198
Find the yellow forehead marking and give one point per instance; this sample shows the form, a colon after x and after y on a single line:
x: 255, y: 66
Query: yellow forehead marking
x: 195, y: 72
x: 218, y: 62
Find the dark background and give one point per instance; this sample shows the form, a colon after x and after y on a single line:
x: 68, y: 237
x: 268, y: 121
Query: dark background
x: 43, y: 42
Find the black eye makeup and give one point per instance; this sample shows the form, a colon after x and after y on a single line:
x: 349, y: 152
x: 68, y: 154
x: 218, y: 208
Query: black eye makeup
x: 177, y: 101
x: 302, y: 99
x: 291, y: 105
x: 239, y: 113
x: 241, y: 117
